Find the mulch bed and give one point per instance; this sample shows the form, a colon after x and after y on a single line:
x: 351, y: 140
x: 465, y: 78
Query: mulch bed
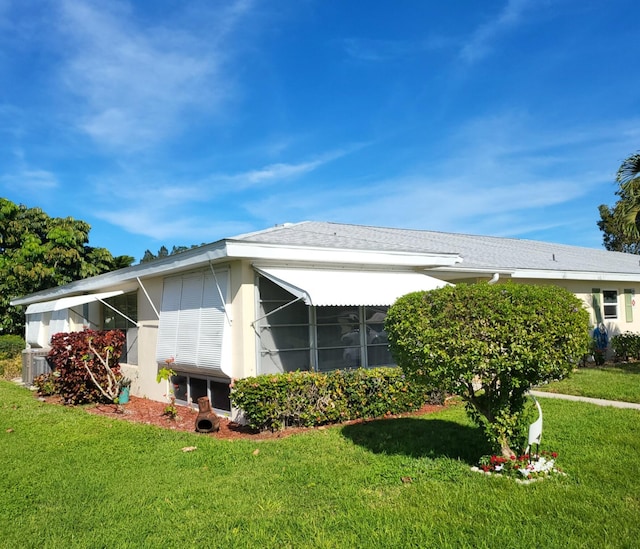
x: 150, y: 412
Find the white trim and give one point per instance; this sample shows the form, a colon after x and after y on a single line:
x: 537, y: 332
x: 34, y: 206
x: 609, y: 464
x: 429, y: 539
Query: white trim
x: 343, y: 256
x: 68, y: 302
x: 577, y: 275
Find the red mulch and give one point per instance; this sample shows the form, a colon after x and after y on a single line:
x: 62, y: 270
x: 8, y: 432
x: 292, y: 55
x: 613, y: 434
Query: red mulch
x: 150, y: 412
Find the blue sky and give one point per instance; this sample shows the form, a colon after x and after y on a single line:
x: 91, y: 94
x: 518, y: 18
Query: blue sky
x: 179, y: 122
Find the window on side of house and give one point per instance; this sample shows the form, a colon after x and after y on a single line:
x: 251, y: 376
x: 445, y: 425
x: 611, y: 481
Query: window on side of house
x: 194, y: 325
x: 127, y: 304
x: 610, y: 303
x: 293, y: 336
x: 282, y: 330
x: 339, y: 337
x: 189, y: 388
x: 378, y: 353
x: 352, y: 337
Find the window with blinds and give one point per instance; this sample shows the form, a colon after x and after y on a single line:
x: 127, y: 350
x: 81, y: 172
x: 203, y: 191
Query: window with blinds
x: 193, y: 322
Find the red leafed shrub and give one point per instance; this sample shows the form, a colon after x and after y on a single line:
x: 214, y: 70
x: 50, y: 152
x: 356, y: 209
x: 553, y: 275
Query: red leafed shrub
x: 68, y: 355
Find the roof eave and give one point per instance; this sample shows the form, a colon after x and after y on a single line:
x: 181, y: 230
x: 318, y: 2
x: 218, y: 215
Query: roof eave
x: 333, y: 256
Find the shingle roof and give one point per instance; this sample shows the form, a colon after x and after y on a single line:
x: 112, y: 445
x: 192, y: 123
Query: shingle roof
x: 478, y: 252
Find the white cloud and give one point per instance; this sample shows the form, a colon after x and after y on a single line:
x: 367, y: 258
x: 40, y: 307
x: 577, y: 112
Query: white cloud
x: 136, y: 82
x: 504, y: 175
x: 481, y: 41
x: 30, y: 180
x: 173, y: 224
x: 282, y: 171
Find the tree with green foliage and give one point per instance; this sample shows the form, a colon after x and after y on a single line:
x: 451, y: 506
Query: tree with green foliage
x: 489, y: 344
x: 39, y: 252
x: 621, y: 224
x: 164, y: 252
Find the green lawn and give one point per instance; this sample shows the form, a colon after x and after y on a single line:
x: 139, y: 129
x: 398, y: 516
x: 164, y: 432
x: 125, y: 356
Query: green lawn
x: 608, y: 382
x: 71, y: 479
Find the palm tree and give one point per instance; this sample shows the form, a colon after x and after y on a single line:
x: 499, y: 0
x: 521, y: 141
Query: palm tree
x: 628, y: 177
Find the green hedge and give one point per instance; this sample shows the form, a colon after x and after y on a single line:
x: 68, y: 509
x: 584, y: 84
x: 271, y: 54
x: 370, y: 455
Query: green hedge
x: 10, y: 346
x: 277, y: 401
x: 626, y: 345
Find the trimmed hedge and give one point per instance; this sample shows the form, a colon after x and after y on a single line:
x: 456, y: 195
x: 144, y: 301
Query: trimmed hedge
x: 626, y: 345
x: 11, y: 346
x: 305, y: 399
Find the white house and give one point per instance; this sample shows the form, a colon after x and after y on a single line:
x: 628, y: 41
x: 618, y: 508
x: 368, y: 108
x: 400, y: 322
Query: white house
x: 309, y: 295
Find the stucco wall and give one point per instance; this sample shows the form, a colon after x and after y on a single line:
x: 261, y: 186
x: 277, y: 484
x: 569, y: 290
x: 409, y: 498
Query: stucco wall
x: 243, y: 340
x: 143, y: 375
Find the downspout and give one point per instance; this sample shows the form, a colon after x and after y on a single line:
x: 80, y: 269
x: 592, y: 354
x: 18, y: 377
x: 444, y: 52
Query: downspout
x: 494, y: 278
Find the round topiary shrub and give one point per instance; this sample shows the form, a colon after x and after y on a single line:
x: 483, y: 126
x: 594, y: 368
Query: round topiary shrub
x: 489, y: 344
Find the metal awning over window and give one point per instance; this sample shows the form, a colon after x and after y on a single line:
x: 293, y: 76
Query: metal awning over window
x: 325, y: 287
x: 68, y: 302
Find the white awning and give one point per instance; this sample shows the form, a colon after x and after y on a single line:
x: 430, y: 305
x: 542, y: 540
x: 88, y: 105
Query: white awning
x: 68, y: 302
x: 323, y: 287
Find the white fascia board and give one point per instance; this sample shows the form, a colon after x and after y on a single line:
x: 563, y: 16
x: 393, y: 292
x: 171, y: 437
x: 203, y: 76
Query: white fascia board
x: 461, y: 272
x: 577, y: 275
x: 304, y: 254
x: 541, y: 274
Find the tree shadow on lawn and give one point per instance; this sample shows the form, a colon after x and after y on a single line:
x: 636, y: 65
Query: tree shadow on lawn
x: 417, y: 437
x: 618, y: 367
x: 628, y: 368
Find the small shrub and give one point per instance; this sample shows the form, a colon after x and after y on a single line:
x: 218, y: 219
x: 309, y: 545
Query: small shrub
x: 626, y: 345
x: 11, y: 368
x: 68, y: 355
x: 11, y: 346
x: 46, y: 384
x: 276, y: 401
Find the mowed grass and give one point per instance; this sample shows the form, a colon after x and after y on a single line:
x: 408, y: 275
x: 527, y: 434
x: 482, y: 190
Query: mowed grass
x: 71, y: 479
x: 608, y: 382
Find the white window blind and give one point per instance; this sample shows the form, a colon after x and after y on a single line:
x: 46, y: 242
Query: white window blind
x: 193, y: 321
x: 59, y: 322
x: 37, y: 331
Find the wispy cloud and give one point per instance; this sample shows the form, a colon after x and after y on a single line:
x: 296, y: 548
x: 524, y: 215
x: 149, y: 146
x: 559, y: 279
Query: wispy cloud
x: 176, y: 228
x: 503, y: 175
x: 30, y: 180
x: 136, y: 81
x: 23, y: 176
x: 280, y: 172
x: 481, y: 41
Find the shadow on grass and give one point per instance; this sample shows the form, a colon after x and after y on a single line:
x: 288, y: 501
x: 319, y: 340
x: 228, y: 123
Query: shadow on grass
x: 629, y: 368
x: 417, y: 437
x: 616, y: 367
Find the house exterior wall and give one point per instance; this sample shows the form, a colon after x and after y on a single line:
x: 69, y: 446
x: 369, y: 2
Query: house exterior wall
x: 240, y: 357
x: 143, y: 375
x: 243, y: 308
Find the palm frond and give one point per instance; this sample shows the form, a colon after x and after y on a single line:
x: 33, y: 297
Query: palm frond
x: 629, y: 170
